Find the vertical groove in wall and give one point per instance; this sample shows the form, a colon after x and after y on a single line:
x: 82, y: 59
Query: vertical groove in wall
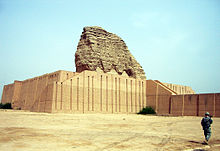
x: 112, y: 94
x: 197, y: 112
x: 83, y: 109
x: 26, y: 96
x: 35, y: 93
x: 56, y: 97
x: 126, y: 95
x: 131, y: 98
x: 183, y: 106
x: 135, y: 95
x: 146, y: 92
x: 115, y: 94
x: 77, y: 94
x: 170, y: 105
x: 214, y: 106
x: 38, y: 105
x: 107, y: 93
x: 88, y: 93
x: 71, y: 95
x: 92, y: 93
x: 156, y: 98
x: 119, y: 94
x: 142, y: 94
x: 46, y: 91
x: 61, y: 103
x: 139, y: 94
x: 46, y: 98
x: 101, y: 94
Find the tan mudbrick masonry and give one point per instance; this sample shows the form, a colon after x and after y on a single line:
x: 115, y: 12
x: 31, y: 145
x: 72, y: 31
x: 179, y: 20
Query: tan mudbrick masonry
x: 108, y: 80
x: 98, y: 92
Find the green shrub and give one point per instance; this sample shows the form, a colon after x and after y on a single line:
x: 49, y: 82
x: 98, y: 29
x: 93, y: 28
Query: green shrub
x: 5, y: 106
x: 147, y: 110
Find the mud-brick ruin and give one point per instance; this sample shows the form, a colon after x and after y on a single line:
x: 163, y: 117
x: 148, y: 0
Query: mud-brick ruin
x: 108, y: 79
x: 98, y: 48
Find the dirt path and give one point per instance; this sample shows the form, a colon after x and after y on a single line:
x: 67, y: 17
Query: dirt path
x: 28, y: 131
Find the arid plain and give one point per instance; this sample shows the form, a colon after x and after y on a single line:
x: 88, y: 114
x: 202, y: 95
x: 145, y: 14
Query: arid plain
x: 30, y: 131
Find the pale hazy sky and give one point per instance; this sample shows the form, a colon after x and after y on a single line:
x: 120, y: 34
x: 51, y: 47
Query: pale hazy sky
x: 175, y: 41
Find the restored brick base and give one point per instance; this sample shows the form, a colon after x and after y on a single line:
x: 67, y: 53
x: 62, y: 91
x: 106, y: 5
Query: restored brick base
x: 98, y: 92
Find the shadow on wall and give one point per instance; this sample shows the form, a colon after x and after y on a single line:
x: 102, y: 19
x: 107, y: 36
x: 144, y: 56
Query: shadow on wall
x: 5, y: 106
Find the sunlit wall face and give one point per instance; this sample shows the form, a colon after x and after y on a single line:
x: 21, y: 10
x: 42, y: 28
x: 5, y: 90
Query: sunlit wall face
x: 174, y: 41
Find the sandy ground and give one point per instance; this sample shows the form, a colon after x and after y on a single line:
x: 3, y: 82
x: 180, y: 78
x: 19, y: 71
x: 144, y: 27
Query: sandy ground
x: 29, y: 131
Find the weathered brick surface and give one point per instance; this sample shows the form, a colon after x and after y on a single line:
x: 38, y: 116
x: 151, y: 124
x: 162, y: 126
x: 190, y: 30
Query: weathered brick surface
x: 99, y: 48
x: 190, y: 105
x: 108, y: 80
x: 98, y: 92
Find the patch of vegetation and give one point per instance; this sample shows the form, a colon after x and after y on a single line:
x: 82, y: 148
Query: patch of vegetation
x: 147, y: 110
x: 5, y: 106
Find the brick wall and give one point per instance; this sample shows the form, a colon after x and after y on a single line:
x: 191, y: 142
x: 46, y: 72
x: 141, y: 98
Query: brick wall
x: 8, y: 93
x: 98, y: 92
x: 189, y: 105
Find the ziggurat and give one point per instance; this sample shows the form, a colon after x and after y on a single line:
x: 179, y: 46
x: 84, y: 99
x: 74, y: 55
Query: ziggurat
x: 101, y: 85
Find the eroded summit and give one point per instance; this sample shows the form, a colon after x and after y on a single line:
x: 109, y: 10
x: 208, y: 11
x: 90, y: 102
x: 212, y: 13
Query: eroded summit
x: 98, y: 48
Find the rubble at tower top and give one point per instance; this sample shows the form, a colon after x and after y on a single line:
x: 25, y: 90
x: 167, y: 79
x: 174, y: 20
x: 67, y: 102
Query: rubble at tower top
x: 98, y: 48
